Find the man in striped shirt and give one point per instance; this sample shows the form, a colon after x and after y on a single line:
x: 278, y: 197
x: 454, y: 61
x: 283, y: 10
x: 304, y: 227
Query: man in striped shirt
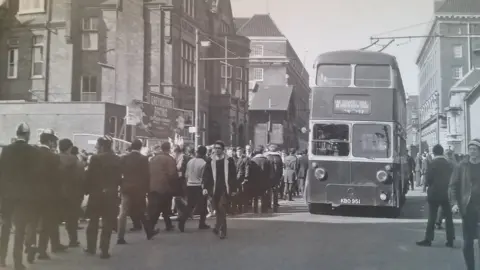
x: 195, y: 197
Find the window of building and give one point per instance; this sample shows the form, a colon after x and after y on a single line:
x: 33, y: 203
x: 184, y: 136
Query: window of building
x: 37, y: 56
x: 226, y: 89
x: 457, y: 73
x: 31, y: 6
x: 225, y: 28
x: 228, y: 69
x: 12, y: 68
x: 458, y: 51
x: 238, y: 89
x: 90, y: 34
x: 258, y: 74
x: 88, y: 88
x: 239, y: 73
x: 256, y: 50
x: 189, y: 7
x: 187, y: 71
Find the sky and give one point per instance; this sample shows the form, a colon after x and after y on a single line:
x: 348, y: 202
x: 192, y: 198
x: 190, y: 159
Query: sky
x: 317, y: 26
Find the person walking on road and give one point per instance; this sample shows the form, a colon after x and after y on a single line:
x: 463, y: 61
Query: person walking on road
x: 18, y: 173
x: 164, y: 185
x: 465, y: 198
x: 103, y: 180
x: 219, y: 181
x: 134, y: 187
x: 195, y: 197
x: 437, y: 182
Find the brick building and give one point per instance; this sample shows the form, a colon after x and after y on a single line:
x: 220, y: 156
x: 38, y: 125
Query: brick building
x: 443, y: 63
x: 274, y: 62
x: 119, y: 51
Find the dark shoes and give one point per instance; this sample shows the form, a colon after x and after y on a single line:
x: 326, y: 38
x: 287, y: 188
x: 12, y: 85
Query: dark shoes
x: 105, y: 255
x: 424, y: 243
x: 43, y: 256
x: 121, y: 242
x: 74, y: 244
x: 59, y: 248
x: 203, y: 227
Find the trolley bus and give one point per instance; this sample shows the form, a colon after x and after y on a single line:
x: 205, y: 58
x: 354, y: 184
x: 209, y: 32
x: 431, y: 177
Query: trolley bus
x: 357, y: 138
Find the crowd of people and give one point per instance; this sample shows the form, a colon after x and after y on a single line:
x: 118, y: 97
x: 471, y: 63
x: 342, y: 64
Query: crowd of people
x: 43, y: 186
x: 452, y: 184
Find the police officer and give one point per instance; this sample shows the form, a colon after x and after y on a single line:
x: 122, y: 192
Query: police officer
x: 17, y: 176
x: 48, y: 187
x: 103, y: 179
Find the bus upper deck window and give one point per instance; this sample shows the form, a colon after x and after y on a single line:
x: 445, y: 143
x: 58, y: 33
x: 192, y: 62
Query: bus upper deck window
x: 334, y: 75
x: 331, y: 140
x: 376, y: 76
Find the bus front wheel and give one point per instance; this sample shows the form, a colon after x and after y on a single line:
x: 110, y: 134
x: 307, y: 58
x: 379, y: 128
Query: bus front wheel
x: 319, y: 208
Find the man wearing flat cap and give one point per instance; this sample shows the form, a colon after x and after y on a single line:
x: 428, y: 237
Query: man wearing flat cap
x: 465, y: 198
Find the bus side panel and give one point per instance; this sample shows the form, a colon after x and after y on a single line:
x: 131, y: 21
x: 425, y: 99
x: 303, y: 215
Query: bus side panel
x: 337, y: 172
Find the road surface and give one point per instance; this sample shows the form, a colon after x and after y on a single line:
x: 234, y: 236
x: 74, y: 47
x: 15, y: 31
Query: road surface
x: 291, y: 239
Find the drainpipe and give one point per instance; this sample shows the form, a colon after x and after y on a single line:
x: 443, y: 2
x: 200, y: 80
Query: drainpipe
x: 48, y: 48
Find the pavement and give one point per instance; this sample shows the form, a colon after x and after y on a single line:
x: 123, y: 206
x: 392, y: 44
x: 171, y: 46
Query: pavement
x: 291, y: 239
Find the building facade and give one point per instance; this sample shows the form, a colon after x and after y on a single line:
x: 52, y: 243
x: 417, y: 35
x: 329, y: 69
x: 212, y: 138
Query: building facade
x: 412, y: 121
x: 446, y: 56
x: 121, y: 51
x: 274, y: 62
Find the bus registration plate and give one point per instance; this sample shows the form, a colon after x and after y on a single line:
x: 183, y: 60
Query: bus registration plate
x: 349, y: 201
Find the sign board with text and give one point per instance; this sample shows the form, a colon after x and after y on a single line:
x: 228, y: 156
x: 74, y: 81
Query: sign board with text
x: 352, y: 104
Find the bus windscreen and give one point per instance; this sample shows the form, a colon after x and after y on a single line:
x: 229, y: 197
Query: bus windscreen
x: 375, y: 76
x: 331, y: 140
x: 371, y: 141
x: 334, y: 75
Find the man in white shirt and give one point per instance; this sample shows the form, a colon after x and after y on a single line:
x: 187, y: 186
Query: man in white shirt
x: 195, y: 197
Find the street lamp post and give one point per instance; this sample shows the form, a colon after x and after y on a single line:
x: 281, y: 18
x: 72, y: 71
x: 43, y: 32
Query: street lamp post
x: 197, y: 92
x: 437, y: 97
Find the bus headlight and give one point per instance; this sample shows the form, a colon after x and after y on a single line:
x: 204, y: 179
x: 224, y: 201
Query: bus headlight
x: 382, y: 176
x: 388, y: 168
x: 320, y: 173
x: 383, y: 196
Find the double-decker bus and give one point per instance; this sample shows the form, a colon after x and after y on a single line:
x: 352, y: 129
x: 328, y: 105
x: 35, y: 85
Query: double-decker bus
x: 357, y: 139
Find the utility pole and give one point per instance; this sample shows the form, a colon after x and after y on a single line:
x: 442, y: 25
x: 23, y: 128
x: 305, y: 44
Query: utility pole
x: 197, y: 91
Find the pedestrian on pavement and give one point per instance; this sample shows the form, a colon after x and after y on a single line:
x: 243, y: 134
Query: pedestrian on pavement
x: 411, y: 169
x: 259, y: 179
x: 50, y: 211
x: 103, y: 180
x: 291, y: 169
x: 18, y: 173
x: 243, y: 166
x: 449, y: 155
x: 302, y: 171
x: 164, y: 185
x: 437, y: 181
x: 418, y: 170
x: 195, y: 197
x: 134, y: 188
x: 465, y: 198
x: 276, y: 164
x: 219, y: 181
x: 72, y: 177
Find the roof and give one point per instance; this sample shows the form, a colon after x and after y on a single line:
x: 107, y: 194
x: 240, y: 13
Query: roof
x: 260, y: 25
x: 356, y: 57
x: 468, y: 81
x: 459, y: 6
x: 271, y: 98
x: 239, y: 22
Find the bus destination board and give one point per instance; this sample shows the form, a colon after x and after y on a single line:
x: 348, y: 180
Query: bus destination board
x: 349, y: 104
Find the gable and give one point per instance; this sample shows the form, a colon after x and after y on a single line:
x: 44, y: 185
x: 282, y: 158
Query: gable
x: 224, y: 10
x: 260, y: 25
x: 458, y: 6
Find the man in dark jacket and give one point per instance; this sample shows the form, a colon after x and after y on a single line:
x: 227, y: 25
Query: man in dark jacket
x: 18, y: 173
x: 259, y: 179
x: 302, y: 171
x: 465, y: 198
x: 290, y: 177
x: 50, y: 211
x: 220, y: 182
x: 103, y: 179
x: 243, y: 165
x: 277, y: 166
x: 134, y: 188
x: 437, y: 181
